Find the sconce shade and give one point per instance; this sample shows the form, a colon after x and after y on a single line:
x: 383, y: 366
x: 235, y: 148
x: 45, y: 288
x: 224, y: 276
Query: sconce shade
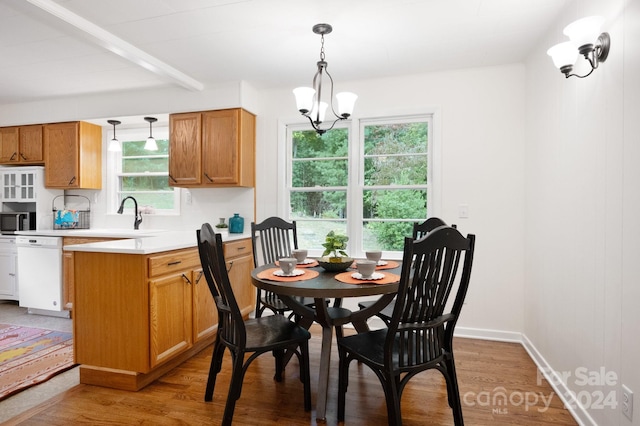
x: 563, y: 54
x: 584, y: 31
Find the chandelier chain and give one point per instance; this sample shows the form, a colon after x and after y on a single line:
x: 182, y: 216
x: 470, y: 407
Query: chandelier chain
x: 322, y: 47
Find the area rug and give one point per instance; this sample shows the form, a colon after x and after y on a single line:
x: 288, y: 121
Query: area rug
x: 29, y: 356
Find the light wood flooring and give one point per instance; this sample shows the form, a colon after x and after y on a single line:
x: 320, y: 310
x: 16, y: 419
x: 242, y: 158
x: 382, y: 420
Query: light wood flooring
x: 487, y: 370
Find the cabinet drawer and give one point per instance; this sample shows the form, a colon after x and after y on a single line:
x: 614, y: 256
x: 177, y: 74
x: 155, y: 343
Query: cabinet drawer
x: 233, y: 249
x: 174, y: 261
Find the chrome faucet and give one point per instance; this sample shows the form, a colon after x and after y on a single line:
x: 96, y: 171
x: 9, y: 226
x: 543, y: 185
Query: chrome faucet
x: 138, y: 217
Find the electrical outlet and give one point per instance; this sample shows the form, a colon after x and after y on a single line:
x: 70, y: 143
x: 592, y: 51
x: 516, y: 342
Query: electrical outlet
x: 187, y: 197
x: 627, y: 402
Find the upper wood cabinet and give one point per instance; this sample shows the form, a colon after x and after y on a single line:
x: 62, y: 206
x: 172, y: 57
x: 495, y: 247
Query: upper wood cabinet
x: 212, y: 149
x: 73, y: 155
x: 21, y: 145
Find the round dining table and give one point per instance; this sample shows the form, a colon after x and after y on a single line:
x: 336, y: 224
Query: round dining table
x: 321, y: 285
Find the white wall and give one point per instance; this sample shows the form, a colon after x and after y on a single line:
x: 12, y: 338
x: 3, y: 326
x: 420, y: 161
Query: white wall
x: 480, y: 128
x: 582, y: 208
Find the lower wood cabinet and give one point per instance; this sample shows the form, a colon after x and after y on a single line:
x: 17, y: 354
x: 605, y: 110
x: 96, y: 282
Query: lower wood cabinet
x: 138, y: 316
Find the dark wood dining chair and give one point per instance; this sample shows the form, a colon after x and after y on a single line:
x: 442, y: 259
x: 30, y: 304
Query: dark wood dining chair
x: 256, y: 336
x: 420, y: 229
x: 276, y: 239
x: 420, y: 334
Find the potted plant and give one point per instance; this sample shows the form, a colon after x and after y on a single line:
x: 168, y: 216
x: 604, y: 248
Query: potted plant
x: 335, y: 245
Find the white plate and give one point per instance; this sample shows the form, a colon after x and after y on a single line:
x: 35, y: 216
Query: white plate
x: 374, y: 276
x: 294, y: 273
x: 382, y: 262
x: 306, y: 262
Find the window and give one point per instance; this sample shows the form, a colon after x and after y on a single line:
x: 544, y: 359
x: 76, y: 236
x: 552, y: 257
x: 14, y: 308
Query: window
x: 143, y: 174
x: 373, y: 190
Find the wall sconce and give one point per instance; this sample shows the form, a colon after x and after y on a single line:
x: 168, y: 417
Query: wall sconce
x: 151, y: 144
x: 585, y: 39
x: 114, y: 144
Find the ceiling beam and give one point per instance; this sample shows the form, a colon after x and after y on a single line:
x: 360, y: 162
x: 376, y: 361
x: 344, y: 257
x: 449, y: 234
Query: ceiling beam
x: 118, y: 46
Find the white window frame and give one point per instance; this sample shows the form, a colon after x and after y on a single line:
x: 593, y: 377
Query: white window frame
x: 355, y: 186
x: 114, y: 169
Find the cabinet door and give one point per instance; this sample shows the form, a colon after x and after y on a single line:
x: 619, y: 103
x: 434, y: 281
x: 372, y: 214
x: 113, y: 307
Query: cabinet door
x: 8, y: 282
x: 31, y: 144
x: 185, y: 150
x: 205, y: 315
x: 239, y: 269
x: 9, y: 186
x: 170, y: 301
x: 61, y: 155
x: 220, y: 147
x: 9, y: 138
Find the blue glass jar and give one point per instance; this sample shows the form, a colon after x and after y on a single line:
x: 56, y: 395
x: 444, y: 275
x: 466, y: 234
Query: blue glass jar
x: 236, y: 224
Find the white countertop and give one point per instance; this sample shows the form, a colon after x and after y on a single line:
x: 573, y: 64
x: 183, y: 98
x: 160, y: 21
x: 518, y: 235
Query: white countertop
x: 132, y: 242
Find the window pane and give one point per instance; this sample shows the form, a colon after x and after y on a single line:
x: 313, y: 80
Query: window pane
x: 145, y: 183
x: 318, y: 204
x: 141, y: 165
x: 311, y: 233
x: 309, y: 173
x: 400, y: 138
x: 158, y: 200
x: 387, y: 236
x: 308, y: 144
x: 136, y: 148
x: 395, y: 204
x: 398, y: 170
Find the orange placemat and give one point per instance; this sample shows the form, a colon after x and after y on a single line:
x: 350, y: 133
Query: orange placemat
x: 390, y: 265
x: 267, y: 274
x: 388, y: 278
x: 303, y: 265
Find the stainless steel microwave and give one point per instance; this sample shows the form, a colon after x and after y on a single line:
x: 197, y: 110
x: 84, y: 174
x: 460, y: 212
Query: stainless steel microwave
x: 11, y: 222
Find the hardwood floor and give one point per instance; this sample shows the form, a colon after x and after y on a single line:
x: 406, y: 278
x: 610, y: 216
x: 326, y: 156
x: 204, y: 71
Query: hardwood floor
x: 488, y: 373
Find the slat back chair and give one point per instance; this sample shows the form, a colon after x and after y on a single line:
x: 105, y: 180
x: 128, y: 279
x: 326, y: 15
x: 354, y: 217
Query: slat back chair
x: 277, y: 238
x: 420, y: 334
x: 419, y: 230
x: 256, y: 336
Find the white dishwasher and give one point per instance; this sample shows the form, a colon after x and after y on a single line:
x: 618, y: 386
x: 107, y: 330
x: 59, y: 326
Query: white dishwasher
x: 40, y: 272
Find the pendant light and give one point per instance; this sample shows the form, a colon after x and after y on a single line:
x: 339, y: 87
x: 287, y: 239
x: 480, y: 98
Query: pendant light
x: 114, y: 144
x: 309, y: 99
x: 151, y: 144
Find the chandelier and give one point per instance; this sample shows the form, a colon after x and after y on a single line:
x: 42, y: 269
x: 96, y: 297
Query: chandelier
x: 310, y: 99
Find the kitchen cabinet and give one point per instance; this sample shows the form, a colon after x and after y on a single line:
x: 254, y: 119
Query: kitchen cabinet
x: 8, y: 269
x: 212, y: 149
x: 21, y: 184
x: 68, y: 265
x: 21, y: 145
x: 73, y: 155
x: 147, y: 312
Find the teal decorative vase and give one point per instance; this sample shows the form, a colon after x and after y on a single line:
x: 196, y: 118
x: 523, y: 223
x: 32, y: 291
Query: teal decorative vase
x: 236, y: 224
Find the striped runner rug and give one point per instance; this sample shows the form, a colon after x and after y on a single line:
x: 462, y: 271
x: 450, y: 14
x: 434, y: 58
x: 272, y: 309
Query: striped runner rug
x: 29, y: 356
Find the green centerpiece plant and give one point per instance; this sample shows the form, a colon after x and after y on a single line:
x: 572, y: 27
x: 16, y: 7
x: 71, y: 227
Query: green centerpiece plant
x: 335, y: 243
x: 334, y: 257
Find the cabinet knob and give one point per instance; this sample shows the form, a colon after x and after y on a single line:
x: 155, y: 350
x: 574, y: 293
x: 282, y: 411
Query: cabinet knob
x: 13, y: 157
x: 186, y: 279
x: 73, y: 179
x: 171, y: 177
x: 23, y: 157
x: 199, y: 277
x: 207, y: 176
